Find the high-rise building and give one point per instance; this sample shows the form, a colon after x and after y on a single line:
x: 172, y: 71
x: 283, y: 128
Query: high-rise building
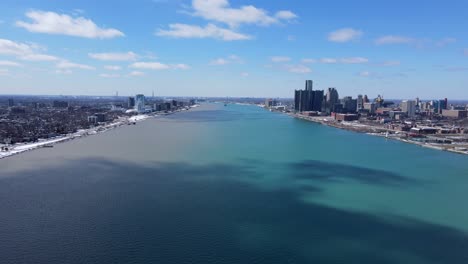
x: 443, y: 104
x: 140, y: 103
x: 366, y: 99
x: 131, y: 102
x: 409, y: 107
x: 11, y: 102
x: 308, y: 100
x: 349, y: 104
x: 309, y: 85
x: 360, y: 103
x: 331, y: 99
x: 371, y: 107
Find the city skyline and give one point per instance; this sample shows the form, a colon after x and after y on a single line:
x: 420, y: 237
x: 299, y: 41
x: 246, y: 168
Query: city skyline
x: 233, y: 48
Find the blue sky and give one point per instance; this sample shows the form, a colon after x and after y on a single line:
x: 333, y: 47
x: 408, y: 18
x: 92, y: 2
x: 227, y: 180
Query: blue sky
x: 401, y: 49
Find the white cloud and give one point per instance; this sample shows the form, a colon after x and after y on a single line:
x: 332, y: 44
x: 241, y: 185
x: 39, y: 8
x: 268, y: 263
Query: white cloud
x: 328, y: 60
x: 285, y: 14
x: 39, y: 57
x: 392, y: 39
x: 136, y: 73
x: 62, y: 24
x: 445, y: 41
x: 291, y: 38
x: 280, y: 59
x: 63, y: 71
x: 391, y: 63
x: 112, y: 67
x: 114, y: 56
x: 8, y: 47
x: 23, y: 51
x: 209, y: 31
x: 345, y: 35
x: 308, y: 61
x: 365, y: 74
x: 107, y: 75
x: 224, y: 61
x: 149, y: 66
x: 71, y: 65
x: 219, y: 61
x: 9, y: 63
x: 354, y: 60
x: 245, y: 74
x: 180, y: 66
x: 221, y: 11
x: 298, y: 69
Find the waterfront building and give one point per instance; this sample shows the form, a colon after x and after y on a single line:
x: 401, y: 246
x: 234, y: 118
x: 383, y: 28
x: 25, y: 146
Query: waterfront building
x: 442, y: 104
x: 409, y: 107
x: 309, y: 85
x: 371, y: 107
x: 366, y: 99
x: 359, y: 103
x: 92, y: 119
x: 349, y: 104
x: 140, y: 103
x: 459, y: 114
x: 308, y: 100
x: 131, y: 102
x: 331, y: 99
x: 346, y: 117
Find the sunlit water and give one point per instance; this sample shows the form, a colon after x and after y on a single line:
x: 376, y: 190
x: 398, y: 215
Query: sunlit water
x: 234, y: 184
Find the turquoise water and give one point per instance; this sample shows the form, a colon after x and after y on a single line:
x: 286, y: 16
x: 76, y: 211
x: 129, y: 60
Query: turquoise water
x: 233, y: 184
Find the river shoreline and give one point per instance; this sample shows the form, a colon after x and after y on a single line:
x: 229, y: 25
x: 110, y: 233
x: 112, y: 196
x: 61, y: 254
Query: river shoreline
x: 44, y: 143
x: 376, y: 131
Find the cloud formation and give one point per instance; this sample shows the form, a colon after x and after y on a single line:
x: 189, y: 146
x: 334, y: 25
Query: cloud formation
x: 280, y: 59
x: 209, y: 31
x: 114, y: 56
x: 221, y: 11
x: 392, y: 39
x: 62, y: 24
x: 70, y: 65
x: 23, y: 51
x: 158, y: 66
x: 345, y: 35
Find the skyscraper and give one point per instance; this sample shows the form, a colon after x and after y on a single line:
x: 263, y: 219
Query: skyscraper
x: 309, y: 85
x: 140, y: 103
x: 409, y: 107
x: 308, y: 100
x: 360, y: 102
x: 331, y: 99
x: 131, y: 102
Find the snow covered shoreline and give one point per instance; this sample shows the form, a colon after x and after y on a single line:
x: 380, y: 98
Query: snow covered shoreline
x: 21, y: 148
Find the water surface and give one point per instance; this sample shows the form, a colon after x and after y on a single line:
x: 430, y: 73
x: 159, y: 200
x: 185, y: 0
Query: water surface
x: 233, y: 184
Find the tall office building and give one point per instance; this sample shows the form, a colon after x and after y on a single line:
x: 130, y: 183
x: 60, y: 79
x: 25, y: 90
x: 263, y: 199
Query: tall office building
x: 409, y: 107
x: 331, y: 99
x: 11, y: 102
x: 349, y: 104
x: 360, y: 103
x: 308, y: 100
x: 443, y: 105
x: 140, y: 103
x: 309, y: 85
x: 131, y: 102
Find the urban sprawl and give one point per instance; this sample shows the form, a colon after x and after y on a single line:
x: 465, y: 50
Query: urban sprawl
x: 432, y: 123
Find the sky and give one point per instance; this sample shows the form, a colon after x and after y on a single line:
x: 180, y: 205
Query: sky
x: 253, y: 48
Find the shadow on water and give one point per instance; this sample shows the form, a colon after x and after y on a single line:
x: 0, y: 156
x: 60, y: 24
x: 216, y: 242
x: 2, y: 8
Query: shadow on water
x: 99, y: 211
x: 326, y: 171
